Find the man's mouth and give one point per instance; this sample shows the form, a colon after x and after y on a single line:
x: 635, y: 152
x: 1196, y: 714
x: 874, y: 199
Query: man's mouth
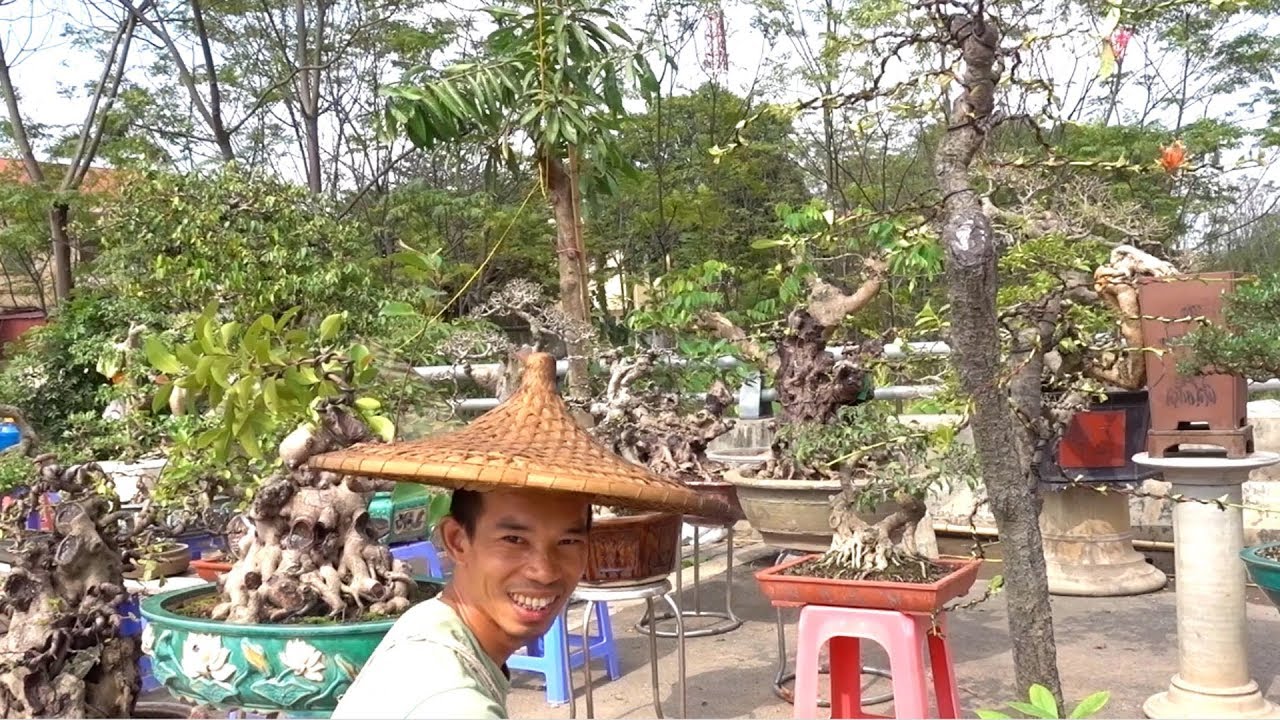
x: 533, y: 603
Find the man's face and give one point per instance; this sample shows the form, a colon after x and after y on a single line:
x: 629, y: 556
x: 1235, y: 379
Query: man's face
x: 527, y: 554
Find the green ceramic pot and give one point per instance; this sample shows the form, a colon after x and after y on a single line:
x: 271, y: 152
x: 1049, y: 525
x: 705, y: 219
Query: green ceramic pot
x: 1264, y: 571
x: 300, y: 670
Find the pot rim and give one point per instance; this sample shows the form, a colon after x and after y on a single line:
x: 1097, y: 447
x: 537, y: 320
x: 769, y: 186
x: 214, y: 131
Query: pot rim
x: 957, y: 563
x: 154, y: 612
x: 733, y: 477
x: 1254, y: 556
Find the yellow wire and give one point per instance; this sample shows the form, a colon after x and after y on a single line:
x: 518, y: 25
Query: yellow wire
x: 492, y: 251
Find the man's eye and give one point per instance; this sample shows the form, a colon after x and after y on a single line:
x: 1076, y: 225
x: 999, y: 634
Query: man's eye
x: 512, y: 539
x: 571, y: 541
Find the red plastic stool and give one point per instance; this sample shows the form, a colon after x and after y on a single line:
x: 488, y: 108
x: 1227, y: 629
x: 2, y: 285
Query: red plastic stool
x: 901, y: 635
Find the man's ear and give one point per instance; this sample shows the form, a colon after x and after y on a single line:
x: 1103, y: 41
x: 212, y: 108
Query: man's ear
x: 455, y: 539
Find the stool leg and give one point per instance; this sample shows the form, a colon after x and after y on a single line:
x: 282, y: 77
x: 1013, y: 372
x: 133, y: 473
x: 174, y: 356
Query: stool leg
x: 653, y: 660
x: 808, y: 645
x: 846, y: 677
x: 906, y: 665
x: 944, y: 671
x: 684, y: 699
x: 612, y: 663
x: 586, y: 656
x: 555, y: 645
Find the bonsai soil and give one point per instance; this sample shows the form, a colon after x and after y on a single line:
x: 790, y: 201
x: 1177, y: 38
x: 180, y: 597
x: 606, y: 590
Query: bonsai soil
x: 921, y: 571
x: 1271, y: 553
x: 200, y: 607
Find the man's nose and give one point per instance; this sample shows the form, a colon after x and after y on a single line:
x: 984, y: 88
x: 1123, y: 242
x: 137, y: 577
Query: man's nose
x: 541, y: 567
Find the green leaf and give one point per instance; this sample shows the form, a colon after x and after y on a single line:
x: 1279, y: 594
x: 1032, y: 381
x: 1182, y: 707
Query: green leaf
x: 331, y: 326
x: 368, y: 403
x: 1042, y: 698
x: 159, y: 356
x: 218, y: 370
x: 161, y: 399
x: 1090, y: 706
x: 991, y: 715
x: 270, y: 395
x: 1032, y: 710
x: 397, y: 309
x: 382, y: 427
x: 248, y: 438
x: 228, y: 331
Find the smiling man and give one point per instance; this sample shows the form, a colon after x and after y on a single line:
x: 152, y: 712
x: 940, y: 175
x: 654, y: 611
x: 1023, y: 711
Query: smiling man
x: 518, y: 555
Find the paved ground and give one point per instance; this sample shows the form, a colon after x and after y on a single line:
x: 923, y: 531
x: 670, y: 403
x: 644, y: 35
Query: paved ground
x: 1125, y: 645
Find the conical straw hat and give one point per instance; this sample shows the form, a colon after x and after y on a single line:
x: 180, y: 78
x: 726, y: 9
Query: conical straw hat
x: 529, y: 441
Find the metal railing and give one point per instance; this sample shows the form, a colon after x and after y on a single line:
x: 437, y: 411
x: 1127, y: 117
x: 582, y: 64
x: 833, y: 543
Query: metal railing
x: 752, y: 395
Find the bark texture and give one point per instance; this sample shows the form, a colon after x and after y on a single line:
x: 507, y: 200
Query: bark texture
x: 971, y: 253
x: 61, y: 651
x: 571, y: 256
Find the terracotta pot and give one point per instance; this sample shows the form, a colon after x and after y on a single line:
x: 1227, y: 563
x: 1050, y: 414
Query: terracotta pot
x: 872, y: 594
x: 210, y: 570
x: 13, y: 323
x: 726, y: 491
x: 634, y: 549
x: 1180, y: 402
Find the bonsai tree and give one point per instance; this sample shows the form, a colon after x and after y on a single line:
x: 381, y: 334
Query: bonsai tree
x: 62, y: 653
x: 271, y: 395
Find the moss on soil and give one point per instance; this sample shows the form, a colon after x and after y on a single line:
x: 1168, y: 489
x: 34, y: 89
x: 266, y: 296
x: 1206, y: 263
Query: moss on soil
x: 921, y: 571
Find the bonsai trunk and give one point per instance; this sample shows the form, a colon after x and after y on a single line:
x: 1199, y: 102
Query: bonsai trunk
x: 865, y: 549
x: 971, y: 279
x: 61, y: 651
x: 571, y: 256
x: 308, y: 549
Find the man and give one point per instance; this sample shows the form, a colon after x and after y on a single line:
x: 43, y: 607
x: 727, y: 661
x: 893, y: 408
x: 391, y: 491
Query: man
x: 518, y: 555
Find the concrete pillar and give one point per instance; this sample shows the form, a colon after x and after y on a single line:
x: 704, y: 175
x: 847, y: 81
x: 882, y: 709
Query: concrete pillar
x: 1088, y: 546
x: 1213, y: 657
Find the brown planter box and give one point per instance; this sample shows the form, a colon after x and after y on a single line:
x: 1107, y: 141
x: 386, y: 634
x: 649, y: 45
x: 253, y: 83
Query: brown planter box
x: 794, y: 590
x: 1180, y: 402
x: 633, y: 549
x: 13, y: 323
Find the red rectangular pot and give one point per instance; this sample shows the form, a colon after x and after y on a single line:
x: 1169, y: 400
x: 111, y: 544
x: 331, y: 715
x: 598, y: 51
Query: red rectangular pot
x: 871, y: 594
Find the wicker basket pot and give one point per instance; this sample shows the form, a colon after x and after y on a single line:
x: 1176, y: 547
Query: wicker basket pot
x: 633, y: 549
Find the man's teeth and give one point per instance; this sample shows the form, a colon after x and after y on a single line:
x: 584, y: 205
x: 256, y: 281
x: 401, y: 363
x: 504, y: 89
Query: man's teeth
x: 531, y: 603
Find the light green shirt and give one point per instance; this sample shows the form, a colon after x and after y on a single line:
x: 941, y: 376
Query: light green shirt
x: 429, y: 665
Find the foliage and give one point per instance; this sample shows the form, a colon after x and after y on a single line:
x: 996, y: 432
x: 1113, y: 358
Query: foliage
x: 52, y: 371
x: 553, y: 73
x: 174, y: 243
x: 16, y: 471
x: 1247, y: 341
x: 258, y: 379
x: 1043, y: 705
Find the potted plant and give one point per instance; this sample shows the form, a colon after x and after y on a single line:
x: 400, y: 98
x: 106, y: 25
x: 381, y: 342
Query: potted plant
x: 312, y: 591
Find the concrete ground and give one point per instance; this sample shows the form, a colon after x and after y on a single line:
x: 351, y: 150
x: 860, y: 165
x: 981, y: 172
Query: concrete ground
x: 1125, y: 645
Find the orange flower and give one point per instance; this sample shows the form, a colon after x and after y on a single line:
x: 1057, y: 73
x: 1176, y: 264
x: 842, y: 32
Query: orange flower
x: 1173, y: 157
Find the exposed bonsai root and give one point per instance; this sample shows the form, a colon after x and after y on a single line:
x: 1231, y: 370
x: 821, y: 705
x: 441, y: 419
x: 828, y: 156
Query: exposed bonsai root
x: 308, y: 548
x: 61, y: 653
x: 1116, y: 284
x: 860, y: 549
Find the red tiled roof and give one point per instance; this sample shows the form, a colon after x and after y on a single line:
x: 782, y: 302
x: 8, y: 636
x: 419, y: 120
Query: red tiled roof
x: 95, y: 180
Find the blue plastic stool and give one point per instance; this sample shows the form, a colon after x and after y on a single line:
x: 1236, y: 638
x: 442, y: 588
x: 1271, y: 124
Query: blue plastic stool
x: 422, y: 550
x: 546, y: 655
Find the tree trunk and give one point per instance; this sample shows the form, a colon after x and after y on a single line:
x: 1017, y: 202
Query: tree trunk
x: 569, y: 255
x: 62, y: 280
x: 975, y: 340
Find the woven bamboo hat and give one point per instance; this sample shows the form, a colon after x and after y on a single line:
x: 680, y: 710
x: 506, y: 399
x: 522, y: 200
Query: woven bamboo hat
x: 529, y: 441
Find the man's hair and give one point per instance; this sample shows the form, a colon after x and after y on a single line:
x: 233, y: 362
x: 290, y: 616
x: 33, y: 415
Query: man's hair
x: 465, y: 507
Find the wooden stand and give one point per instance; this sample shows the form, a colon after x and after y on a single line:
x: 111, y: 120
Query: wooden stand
x: 1238, y: 443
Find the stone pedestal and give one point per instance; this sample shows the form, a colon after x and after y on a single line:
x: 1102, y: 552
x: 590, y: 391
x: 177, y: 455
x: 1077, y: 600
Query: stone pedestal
x: 1088, y: 546
x: 1213, y: 659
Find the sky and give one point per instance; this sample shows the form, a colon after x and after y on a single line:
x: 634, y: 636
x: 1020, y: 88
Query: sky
x: 47, y: 64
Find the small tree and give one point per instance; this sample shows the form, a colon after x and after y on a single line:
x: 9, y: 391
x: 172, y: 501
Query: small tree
x: 552, y: 73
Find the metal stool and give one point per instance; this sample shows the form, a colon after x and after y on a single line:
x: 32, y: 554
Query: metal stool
x: 728, y: 620
x: 593, y: 594
x: 783, y: 677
